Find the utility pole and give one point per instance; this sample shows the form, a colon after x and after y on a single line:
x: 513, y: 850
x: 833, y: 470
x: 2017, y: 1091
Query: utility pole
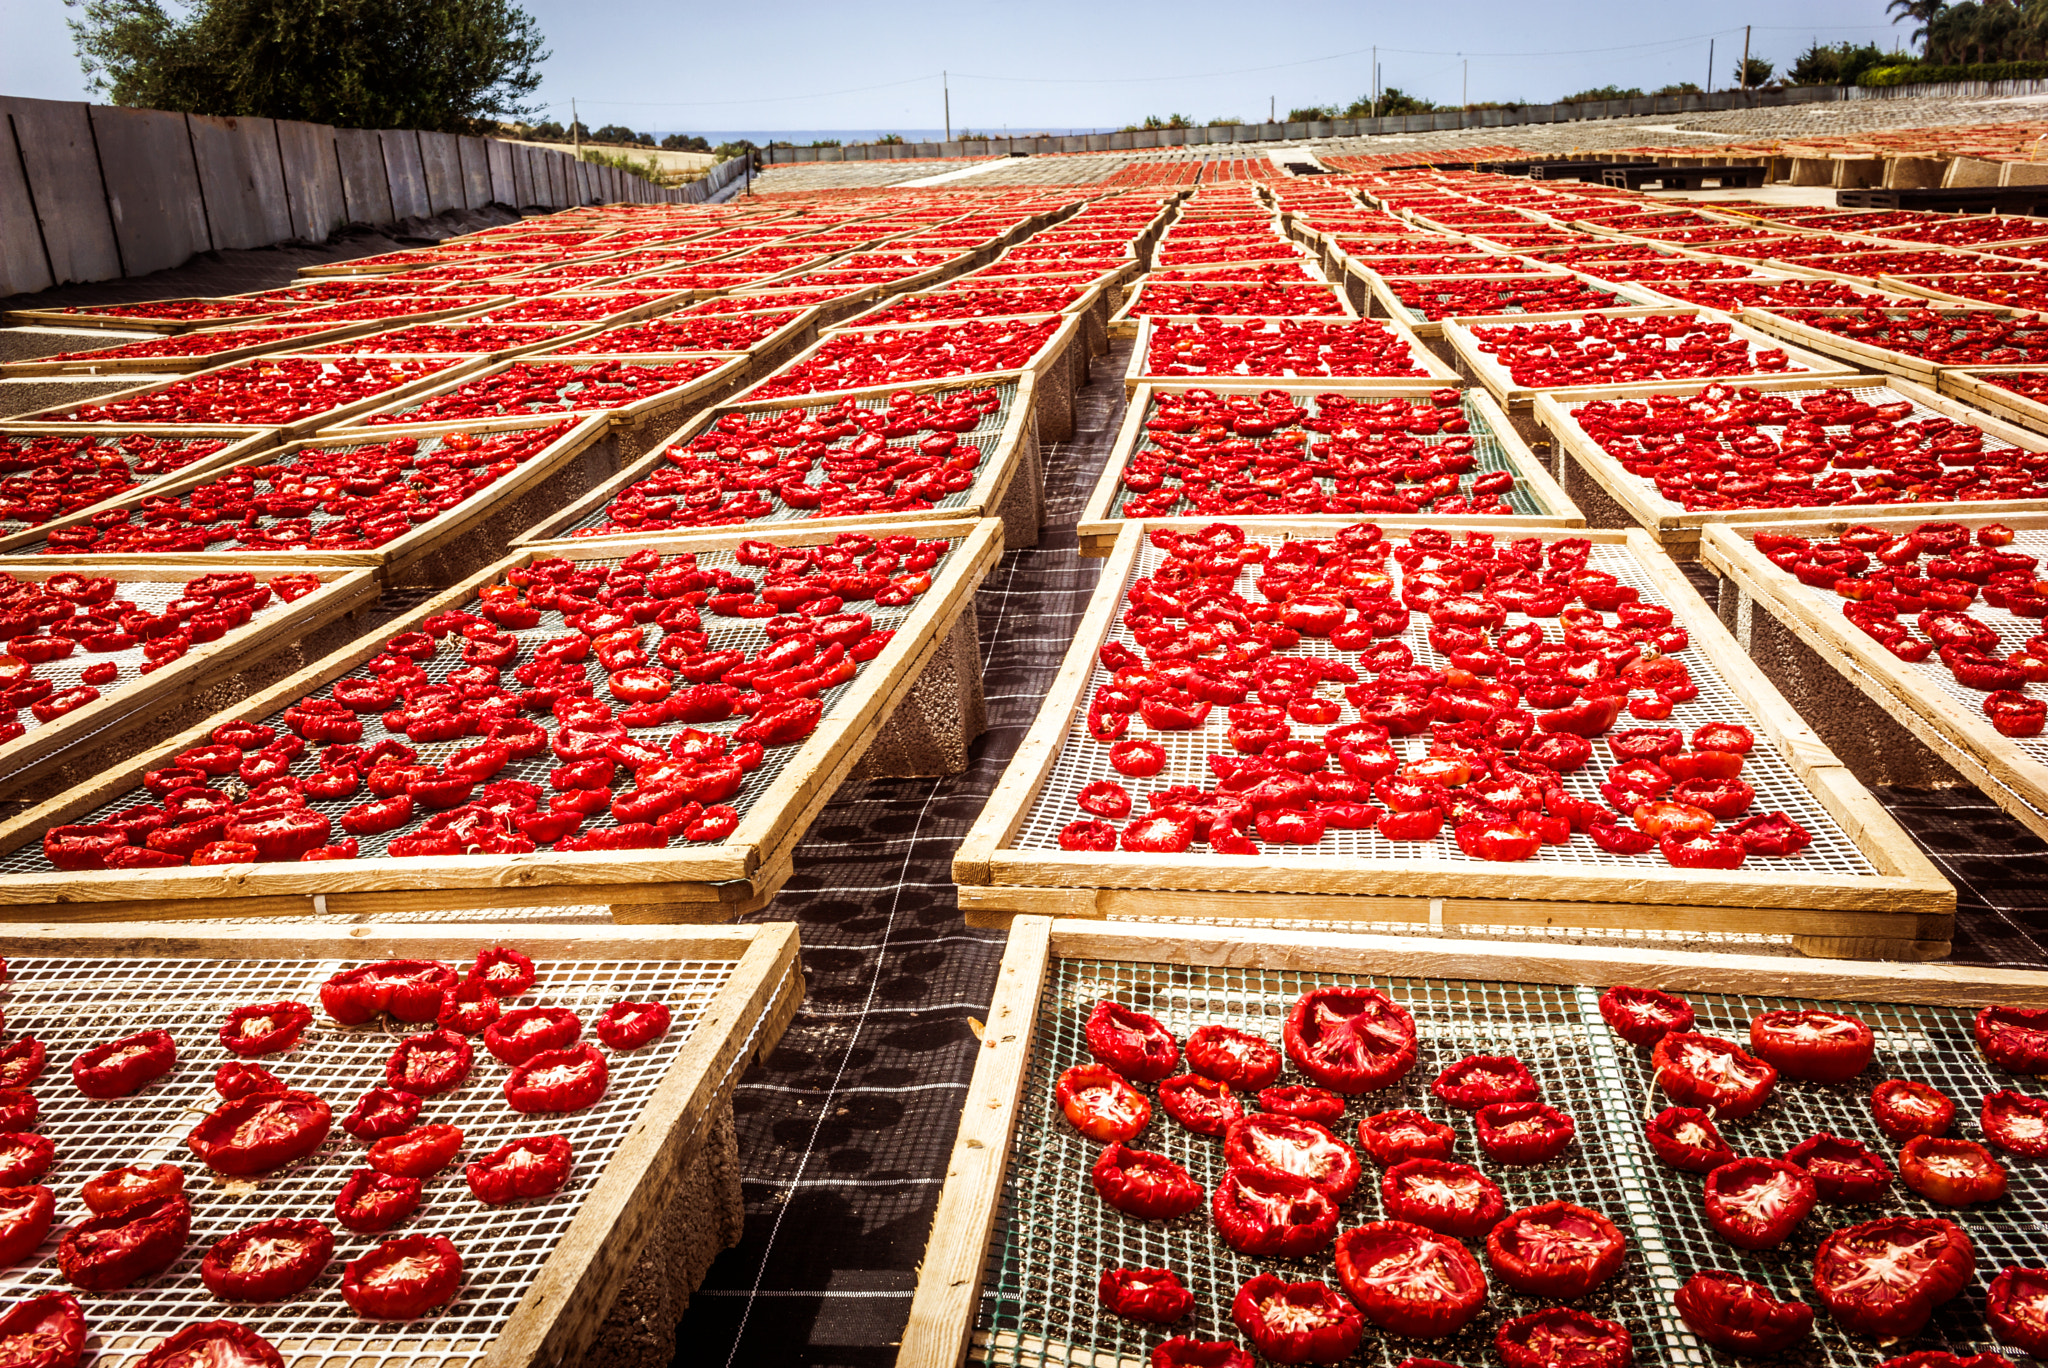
x: 1465, y: 89
x: 1270, y: 107
x: 1375, y: 80
x: 575, y: 130
x: 1710, y: 66
x: 945, y: 84
x: 1745, y: 57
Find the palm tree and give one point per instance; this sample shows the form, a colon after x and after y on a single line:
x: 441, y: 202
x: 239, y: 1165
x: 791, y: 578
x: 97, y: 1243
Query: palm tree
x: 1920, y: 12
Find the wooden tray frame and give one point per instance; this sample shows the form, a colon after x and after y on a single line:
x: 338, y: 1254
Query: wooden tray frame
x: 635, y: 427
x: 242, y: 444
x: 1387, y: 304
x: 1057, y: 370
x: 1906, y: 911
x: 1963, y: 738
x: 1679, y: 531
x: 1098, y: 529
x: 458, y: 370
x: 1909, y: 284
x: 1127, y: 320
x: 1972, y: 385
x: 119, y: 711
x: 996, y: 492
x: 1437, y: 377
x: 70, y: 322
x: 653, y: 308
x: 562, y: 1314
x: 1860, y: 354
x: 767, y: 353
x: 186, y: 365
x: 1092, y: 308
x: 705, y: 883
x: 941, y: 1332
x: 576, y: 332
x: 584, y: 455
x: 1522, y: 398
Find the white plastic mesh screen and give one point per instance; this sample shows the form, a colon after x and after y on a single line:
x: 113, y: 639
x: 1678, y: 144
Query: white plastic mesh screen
x: 1083, y: 760
x: 74, y: 1004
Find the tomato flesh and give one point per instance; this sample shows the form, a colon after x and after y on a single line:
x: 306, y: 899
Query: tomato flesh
x: 1904, y: 1109
x: 1557, y: 1250
x: 1884, y: 1278
x: 1705, y: 1071
x: 1304, y: 1322
x: 1272, y: 1215
x: 1755, y: 1203
x: 1643, y: 1016
x: 1245, y: 1061
x: 1820, y: 1047
x: 1452, y: 1198
x: 1390, y: 1138
x: 1950, y: 1171
x: 1133, y: 1043
x: 1842, y: 1170
x: 1098, y: 1103
x: 1742, y: 1317
x: 269, y: 1261
x: 1286, y: 1144
x: 403, y: 1279
x: 1409, y: 1280
x: 1560, y: 1335
x: 1351, y: 1040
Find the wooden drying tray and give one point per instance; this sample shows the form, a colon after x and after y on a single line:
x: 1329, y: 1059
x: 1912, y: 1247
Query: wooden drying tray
x: 574, y: 332
x: 114, y: 321
x: 1385, y: 303
x: 1910, y: 284
x: 1128, y: 320
x: 1904, y: 911
x: 437, y: 552
x: 1100, y: 525
x: 123, y: 709
x: 1092, y: 307
x: 1057, y: 370
x: 830, y: 313
x: 1979, y: 385
x: 240, y: 443
x: 266, y: 337
x: 1911, y: 695
x: 944, y: 1309
x: 1613, y: 497
x: 1862, y: 355
x: 1009, y: 483
x: 1435, y: 373
x: 698, y: 883
x: 1518, y: 399
x: 661, y: 304
x: 663, y: 1207
x: 764, y: 355
x: 456, y: 367
x: 635, y: 426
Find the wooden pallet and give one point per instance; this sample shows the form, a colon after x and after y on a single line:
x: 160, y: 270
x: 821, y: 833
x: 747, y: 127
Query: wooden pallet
x: 437, y: 552
x: 1979, y: 385
x: 1613, y: 497
x: 453, y: 372
x: 1100, y: 525
x: 621, y: 1250
x: 107, y: 725
x: 710, y: 882
x: 1048, y: 968
x: 635, y: 427
x: 2013, y: 773
x: 1901, y: 909
x: 1859, y: 354
x: 1009, y: 483
x: 1138, y: 371
x: 1057, y: 370
x: 1515, y: 398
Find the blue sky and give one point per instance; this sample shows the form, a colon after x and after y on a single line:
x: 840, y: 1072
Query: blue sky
x: 801, y: 64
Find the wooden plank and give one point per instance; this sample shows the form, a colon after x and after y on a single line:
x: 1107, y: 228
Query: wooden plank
x: 1978, y: 385
x: 949, y: 1280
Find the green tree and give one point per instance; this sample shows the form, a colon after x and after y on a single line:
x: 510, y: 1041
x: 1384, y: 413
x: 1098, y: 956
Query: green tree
x: 1752, y: 74
x: 1606, y: 92
x: 1920, y: 13
x: 615, y: 133
x: 1839, y: 64
x: 451, y: 66
x: 1677, y: 88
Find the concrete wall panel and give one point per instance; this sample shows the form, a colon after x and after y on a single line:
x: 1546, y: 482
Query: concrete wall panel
x: 475, y: 156
x: 153, y: 191
x: 23, y: 266
x: 498, y: 171
x: 404, y: 173
x: 439, y: 158
x: 55, y: 141
x: 242, y: 178
x: 312, y: 179
x: 366, y: 192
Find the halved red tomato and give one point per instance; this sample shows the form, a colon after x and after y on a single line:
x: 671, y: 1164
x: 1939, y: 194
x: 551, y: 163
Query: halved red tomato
x: 1099, y: 1104
x: 1557, y: 1250
x: 1480, y: 1080
x: 1643, y: 1016
x: 2016, y: 1122
x: 1685, y: 1138
x: 1904, y: 1109
x: 1842, y: 1170
x: 1287, y: 1144
x: 1133, y: 1043
x: 1561, y: 1336
x: 25, y: 1216
x: 1203, y: 1105
x: 1272, y: 1215
x: 260, y: 1132
x: 1392, y: 1137
x: 1305, y: 1322
x: 1453, y: 1198
x: 416, y: 1154
x: 1742, y: 1317
x: 2014, y: 1038
x: 1351, y: 1040
x: 213, y: 1344
x: 1820, y: 1047
x: 403, y: 1279
x: 1245, y: 1061
x: 129, y: 1184
x: 1523, y: 1132
x: 1410, y: 1280
x: 1950, y: 1171
x: 1755, y: 1203
x: 124, y: 1247
x: 269, y: 1261
x: 1149, y: 1186
x: 2017, y: 1307
x: 43, y: 1332
x: 1706, y: 1071
x: 1884, y: 1278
